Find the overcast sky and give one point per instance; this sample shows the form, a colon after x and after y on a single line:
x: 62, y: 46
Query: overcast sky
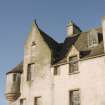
x: 16, y: 17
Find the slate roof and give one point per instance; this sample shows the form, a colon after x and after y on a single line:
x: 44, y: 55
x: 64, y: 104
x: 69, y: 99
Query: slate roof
x: 80, y: 41
x: 52, y: 44
x: 86, y: 51
x: 17, y: 69
x: 60, y: 50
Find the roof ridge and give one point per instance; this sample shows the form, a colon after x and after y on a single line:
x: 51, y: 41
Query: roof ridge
x: 91, y: 29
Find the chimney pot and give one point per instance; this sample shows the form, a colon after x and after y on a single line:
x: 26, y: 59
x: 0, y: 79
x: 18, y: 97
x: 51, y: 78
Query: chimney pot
x: 72, y: 29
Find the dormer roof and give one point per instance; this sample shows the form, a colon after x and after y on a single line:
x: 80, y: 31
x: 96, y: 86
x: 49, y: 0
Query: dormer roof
x: 60, y: 50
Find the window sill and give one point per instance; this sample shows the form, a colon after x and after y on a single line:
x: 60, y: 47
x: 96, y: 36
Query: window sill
x: 30, y: 80
x: 74, y: 73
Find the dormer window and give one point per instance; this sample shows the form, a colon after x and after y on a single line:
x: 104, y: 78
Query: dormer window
x: 73, y: 64
x: 92, y: 38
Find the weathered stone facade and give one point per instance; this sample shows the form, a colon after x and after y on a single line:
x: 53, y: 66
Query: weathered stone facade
x: 51, y: 82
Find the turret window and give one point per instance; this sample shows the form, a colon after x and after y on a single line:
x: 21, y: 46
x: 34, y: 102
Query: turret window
x: 73, y: 64
x: 30, y: 71
x: 14, y: 77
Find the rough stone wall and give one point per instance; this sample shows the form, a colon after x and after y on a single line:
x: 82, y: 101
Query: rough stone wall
x: 12, y: 90
x: 90, y: 80
x: 42, y: 83
x: 11, y: 86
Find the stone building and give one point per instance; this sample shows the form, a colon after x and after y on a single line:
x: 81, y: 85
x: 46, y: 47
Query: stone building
x: 67, y: 73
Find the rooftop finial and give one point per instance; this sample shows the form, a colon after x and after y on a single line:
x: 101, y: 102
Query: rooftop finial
x: 70, y: 23
x: 72, y: 28
x: 35, y: 23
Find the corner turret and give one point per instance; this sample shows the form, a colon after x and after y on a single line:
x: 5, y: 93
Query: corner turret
x: 13, y: 79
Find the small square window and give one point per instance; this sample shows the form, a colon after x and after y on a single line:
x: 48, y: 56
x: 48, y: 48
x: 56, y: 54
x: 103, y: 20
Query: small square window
x: 74, y: 97
x: 23, y: 101
x: 56, y: 70
x: 37, y: 101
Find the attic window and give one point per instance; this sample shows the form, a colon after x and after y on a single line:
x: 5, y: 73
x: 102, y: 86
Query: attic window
x: 92, y: 38
x: 33, y: 43
x: 33, y: 48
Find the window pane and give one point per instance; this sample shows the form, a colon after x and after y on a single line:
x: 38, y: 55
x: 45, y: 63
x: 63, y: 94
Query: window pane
x: 73, y: 64
x: 22, y: 101
x: 14, y: 77
x: 92, y: 38
x: 56, y: 70
x: 31, y: 71
x: 75, y: 97
x: 37, y: 101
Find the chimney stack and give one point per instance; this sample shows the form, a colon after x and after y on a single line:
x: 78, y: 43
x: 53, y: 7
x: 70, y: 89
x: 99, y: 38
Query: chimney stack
x: 72, y: 29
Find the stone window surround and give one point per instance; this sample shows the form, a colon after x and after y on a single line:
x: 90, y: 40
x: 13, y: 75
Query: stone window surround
x: 14, y: 77
x: 22, y: 100
x: 29, y: 71
x: 70, y: 93
x: 73, y: 62
x: 36, y: 100
x: 56, y: 70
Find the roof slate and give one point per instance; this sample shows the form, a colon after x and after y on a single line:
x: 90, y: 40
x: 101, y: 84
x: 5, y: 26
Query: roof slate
x: 60, y: 50
x: 17, y: 69
x: 80, y: 41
